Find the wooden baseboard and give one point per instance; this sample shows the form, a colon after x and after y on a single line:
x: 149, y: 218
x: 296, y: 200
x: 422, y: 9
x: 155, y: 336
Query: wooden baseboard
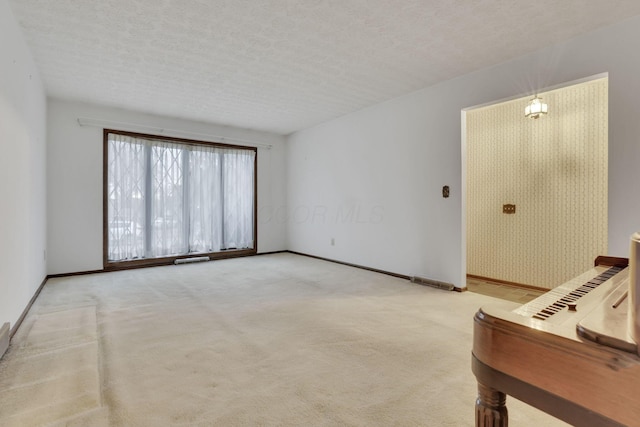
x: 159, y: 264
x: 75, y: 273
x: 27, y: 308
x: 375, y: 270
x: 507, y: 283
x: 272, y: 252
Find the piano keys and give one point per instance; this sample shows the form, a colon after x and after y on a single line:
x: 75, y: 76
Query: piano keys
x: 568, y: 353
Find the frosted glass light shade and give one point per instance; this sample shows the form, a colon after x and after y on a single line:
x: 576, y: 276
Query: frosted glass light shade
x: 536, y: 108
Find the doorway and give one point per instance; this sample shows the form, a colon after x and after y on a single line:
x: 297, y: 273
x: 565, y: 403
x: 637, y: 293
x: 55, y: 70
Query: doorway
x: 535, y: 203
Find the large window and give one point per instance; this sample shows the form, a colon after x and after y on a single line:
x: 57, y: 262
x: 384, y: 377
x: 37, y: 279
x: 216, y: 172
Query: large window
x: 166, y: 198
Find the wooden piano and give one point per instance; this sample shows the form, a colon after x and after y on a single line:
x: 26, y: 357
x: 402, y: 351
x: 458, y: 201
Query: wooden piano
x: 568, y: 353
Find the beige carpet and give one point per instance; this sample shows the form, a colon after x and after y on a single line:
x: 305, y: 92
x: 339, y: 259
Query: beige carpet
x: 276, y: 340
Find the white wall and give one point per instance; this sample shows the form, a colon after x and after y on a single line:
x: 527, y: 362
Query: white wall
x: 22, y: 171
x: 396, y: 156
x: 74, y: 176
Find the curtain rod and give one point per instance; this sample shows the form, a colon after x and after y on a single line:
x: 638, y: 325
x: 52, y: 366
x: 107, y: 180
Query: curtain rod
x: 133, y: 127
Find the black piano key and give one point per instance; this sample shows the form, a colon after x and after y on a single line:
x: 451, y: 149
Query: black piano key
x: 574, y: 295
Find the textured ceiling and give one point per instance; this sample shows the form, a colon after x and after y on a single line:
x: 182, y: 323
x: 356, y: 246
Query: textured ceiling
x: 283, y: 65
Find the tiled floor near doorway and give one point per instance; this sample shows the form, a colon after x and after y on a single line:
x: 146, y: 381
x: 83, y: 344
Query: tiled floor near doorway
x: 498, y: 290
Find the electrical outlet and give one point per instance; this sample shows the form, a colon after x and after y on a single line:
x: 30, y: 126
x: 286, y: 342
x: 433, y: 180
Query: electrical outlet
x: 333, y: 241
x: 509, y: 209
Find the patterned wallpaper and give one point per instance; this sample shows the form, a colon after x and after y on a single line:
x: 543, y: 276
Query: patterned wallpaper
x: 554, y: 169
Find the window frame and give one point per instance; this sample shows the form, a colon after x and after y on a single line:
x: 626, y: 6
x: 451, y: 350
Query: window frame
x: 166, y: 260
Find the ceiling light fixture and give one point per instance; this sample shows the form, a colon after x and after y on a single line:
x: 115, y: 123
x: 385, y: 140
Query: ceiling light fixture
x: 536, y: 108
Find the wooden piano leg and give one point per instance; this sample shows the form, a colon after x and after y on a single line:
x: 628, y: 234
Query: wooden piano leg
x: 491, y: 409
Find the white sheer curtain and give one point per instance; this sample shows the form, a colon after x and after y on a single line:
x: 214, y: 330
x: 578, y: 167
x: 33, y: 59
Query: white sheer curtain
x: 205, y: 234
x: 167, y: 216
x: 125, y: 198
x: 173, y: 199
x: 238, y: 183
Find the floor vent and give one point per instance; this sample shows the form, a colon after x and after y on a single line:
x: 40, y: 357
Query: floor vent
x: 4, y: 339
x: 433, y: 283
x: 190, y: 260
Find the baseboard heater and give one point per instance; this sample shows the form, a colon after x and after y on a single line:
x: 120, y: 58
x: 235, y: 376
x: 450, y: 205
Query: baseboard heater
x: 192, y: 259
x: 4, y: 339
x: 433, y: 283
